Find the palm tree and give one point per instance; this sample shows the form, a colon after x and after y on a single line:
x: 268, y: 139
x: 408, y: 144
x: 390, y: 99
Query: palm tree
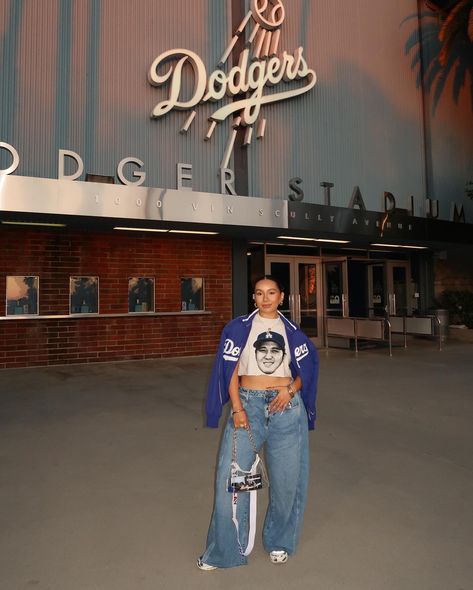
x: 456, y: 24
x: 447, y: 40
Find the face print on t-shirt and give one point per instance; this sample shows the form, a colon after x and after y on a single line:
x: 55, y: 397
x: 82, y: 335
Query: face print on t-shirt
x: 269, y: 351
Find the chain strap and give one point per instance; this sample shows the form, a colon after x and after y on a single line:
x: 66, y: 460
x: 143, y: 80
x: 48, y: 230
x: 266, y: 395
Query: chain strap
x: 252, y: 440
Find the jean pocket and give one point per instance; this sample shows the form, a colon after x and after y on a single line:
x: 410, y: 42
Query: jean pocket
x: 294, y: 403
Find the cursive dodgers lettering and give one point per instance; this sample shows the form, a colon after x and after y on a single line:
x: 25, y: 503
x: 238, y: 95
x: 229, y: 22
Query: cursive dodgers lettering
x: 241, y: 79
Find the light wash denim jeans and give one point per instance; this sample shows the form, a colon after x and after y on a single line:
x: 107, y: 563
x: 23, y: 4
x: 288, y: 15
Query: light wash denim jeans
x: 285, y: 436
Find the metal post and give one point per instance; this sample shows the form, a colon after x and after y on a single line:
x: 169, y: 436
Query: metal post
x: 389, y: 337
x: 437, y: 319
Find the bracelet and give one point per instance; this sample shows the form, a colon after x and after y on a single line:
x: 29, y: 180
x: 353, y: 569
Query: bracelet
x: 237, y: 411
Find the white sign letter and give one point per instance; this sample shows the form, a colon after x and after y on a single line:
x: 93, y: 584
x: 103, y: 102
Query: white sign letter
x: 74, y: 156
x: 140, y: 175
x: 227, y: 178
x: 175, y: 74
x: 181, y: 177
x: 16, y: 158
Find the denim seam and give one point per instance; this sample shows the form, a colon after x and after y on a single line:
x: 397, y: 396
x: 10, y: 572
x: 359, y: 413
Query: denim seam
x: 297, y: 507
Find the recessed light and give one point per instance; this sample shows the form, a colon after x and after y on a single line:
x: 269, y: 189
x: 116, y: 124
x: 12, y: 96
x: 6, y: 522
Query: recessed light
x: 201, y: 233
x: 314, y: 239
x: 297, y: 238
x: 34, y: 223
x: 333, y: 241
x: 401, y: 246
x: 141, y: 229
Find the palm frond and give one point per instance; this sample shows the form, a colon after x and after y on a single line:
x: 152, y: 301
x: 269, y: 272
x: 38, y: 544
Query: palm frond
x: 431, y: 73
x: 455, y: 20
x: 469, y: 29
x: 416, y: 59
x: 435, y: 7
x: 471, y: 87
x: 459, y: 80
x: 412, y: 41
x: 441, y: 79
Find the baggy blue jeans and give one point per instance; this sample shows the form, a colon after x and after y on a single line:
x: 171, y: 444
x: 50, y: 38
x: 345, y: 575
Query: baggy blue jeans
x: 285, y: 436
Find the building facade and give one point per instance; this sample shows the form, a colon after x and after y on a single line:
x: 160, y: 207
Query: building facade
x: 156, y: 158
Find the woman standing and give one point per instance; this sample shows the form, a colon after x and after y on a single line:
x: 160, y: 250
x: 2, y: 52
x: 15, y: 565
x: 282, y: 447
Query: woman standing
x: 267, y: 367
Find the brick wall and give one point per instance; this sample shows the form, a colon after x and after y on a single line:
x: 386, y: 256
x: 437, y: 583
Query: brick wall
x: 454, y: 271
x: 57, y: 255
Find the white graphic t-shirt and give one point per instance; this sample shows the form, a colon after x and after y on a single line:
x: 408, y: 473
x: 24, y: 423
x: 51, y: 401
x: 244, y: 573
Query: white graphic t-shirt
x: 267, y: 350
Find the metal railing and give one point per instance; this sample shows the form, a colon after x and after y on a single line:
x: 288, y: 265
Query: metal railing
x: 381, y: 329
x: 376, y: 329
x: 417, y: 326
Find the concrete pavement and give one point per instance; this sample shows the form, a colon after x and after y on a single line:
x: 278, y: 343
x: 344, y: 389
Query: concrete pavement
x: 106, y: 477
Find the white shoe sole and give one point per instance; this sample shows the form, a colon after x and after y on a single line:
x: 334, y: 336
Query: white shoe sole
x: 278, y: 557
x: 205, y: 567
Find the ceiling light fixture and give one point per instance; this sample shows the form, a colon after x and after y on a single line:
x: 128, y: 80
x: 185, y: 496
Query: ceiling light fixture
x: 201, y: 233
x: 314, y: 239
x: 35, y: 223
x: 401, y: 246
x: 141, y: 229
x: 333, y: 241
x: 297, y: 238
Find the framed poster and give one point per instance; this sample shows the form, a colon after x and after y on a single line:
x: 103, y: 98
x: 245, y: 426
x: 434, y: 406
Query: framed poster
x: 192, y: 294
x: 22, y: 295
x: 83, y: 295
x: 140, y: 294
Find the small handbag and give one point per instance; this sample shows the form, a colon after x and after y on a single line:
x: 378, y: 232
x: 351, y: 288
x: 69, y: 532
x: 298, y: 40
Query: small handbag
x: 246, y: 481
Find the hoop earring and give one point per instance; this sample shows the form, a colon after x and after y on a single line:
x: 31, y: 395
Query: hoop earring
x: 255, y: 304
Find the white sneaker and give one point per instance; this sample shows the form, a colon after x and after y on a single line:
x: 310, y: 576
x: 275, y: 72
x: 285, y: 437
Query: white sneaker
x: 205, y: 566
x: 278, y: 556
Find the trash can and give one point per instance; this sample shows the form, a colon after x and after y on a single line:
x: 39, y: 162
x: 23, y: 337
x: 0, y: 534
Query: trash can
x: 441, y: 327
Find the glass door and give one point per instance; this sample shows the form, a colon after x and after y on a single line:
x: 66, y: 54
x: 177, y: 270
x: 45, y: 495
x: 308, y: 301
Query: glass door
x: 301, y: 279
x: 377, y: 290
x: 398, y: 280
x: 336, y: 287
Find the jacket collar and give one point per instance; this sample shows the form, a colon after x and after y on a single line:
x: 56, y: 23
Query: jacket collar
x: 287, y: 322
x: 250, y: 316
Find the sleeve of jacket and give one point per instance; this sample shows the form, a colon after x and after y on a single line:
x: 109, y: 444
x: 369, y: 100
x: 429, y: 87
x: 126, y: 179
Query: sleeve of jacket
x: 217, y: 396
x: 312, y: 385
x: 309, y: 371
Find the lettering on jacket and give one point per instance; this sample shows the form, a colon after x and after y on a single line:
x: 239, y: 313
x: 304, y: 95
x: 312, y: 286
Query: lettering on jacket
x: 301, y: 352
x: 230, y: 351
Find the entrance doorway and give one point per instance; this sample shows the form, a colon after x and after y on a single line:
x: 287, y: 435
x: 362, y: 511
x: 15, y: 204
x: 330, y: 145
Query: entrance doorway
x: 336, y: 287
x: 301, y: 277
x: 317, y: 288
x: 398, y: 283
x: 388, y: 287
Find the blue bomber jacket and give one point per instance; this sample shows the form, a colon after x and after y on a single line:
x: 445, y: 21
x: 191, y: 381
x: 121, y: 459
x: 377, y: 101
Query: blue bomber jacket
x: 304, y: 362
